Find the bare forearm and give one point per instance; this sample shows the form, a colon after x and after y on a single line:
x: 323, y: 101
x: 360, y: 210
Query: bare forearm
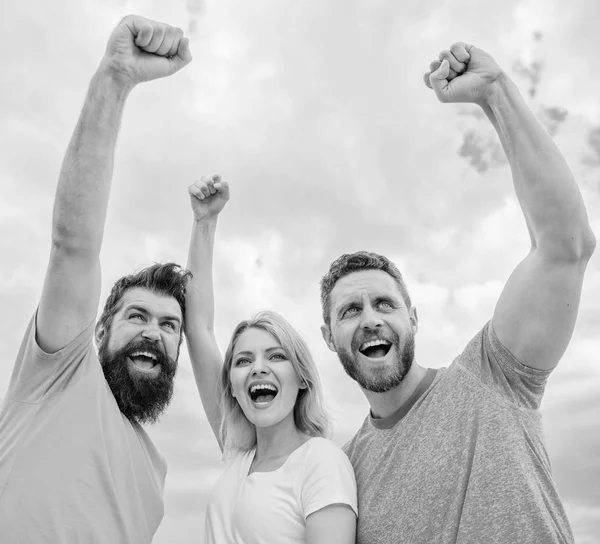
x: 85, y: 177
x: 200, y: 292
x: 202, y: 346
x: 546, y: 189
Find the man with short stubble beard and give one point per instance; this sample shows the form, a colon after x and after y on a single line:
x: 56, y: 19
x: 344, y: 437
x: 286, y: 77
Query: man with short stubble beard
x: 458, y: 454
x: 76, y: 466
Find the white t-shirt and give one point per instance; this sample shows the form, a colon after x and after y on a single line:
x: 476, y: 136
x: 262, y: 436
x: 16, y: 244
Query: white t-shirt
x: 272, y: 507
x: 73, y: 468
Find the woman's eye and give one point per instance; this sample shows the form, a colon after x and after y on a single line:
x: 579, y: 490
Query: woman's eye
x: 242, y: 361
x: 136, y: 316
x: 279, y: 356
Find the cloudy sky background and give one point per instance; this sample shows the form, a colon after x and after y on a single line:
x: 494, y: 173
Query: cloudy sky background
x: 316, y: 114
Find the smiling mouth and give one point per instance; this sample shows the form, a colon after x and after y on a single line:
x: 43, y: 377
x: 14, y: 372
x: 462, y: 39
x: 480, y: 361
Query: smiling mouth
x: 144, y: 360
x: 375, y: 349
x: 262, y: 393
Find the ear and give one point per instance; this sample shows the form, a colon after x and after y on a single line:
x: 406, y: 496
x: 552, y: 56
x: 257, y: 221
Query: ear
x: 327, y: 337
x: 99, y: 332
x: 414, y: 319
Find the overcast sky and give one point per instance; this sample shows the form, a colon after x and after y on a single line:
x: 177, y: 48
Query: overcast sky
x: 316, y: 114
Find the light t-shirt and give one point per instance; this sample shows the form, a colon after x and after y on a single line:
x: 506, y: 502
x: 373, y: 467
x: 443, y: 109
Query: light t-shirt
x: 272, y: 507
x: 465, y: 463
x: 73, y: 469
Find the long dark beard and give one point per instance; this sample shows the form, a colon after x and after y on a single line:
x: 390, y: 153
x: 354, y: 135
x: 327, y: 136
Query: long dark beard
x: 388, y: 378
x: 140, y: 398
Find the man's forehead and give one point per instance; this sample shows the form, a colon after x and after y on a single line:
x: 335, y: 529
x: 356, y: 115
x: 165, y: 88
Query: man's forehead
x: 151, y: 301
x: 371, y: 282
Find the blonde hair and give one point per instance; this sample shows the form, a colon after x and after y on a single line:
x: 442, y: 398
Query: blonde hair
x: 237, y: 432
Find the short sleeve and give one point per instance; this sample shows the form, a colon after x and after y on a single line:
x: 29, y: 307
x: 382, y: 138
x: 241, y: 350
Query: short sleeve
x: 328, y: 478
x: 38, y: 374
x: 498, y: 369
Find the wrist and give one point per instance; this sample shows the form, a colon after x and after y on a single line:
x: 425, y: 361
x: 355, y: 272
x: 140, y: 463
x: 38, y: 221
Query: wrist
x: 113, y: 79
x: 497, y: 91
x: 205, y: 221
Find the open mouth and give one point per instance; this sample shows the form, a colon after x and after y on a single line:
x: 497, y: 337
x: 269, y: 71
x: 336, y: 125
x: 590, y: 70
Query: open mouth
x: 262, y: 393
x: 375, y: 349
x: 144, y: 360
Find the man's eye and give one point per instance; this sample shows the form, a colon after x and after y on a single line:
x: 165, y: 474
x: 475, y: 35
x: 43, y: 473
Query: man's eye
x: 169, y: 324
x: 385, y: 304
x: 351, y: 310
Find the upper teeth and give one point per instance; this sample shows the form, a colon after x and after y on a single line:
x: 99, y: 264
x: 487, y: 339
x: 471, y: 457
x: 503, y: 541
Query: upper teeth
x: 145, y: 354
x: 374, y: 343
x: 263, y: 386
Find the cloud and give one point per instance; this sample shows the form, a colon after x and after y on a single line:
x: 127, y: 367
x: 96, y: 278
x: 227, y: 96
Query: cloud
x: 317, y: 116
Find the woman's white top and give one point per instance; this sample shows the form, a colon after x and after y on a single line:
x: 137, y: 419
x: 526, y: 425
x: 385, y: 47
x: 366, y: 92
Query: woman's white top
x: 272, y: 507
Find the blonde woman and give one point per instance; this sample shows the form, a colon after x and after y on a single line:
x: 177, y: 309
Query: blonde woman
x: 284, y: 481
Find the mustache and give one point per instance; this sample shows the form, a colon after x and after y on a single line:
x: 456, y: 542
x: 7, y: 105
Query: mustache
x: 360, y: 338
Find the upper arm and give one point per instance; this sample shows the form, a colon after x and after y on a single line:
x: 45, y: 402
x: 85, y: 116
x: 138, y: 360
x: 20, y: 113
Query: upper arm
x: 334, y: 524
x: 70, y: 297
x: 536, y: 313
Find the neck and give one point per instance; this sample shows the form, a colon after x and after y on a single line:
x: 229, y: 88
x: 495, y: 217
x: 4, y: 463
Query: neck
x: 278, y: 440
x: 386, y: 404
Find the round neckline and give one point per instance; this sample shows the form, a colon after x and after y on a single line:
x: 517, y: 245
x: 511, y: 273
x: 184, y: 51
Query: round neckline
x: 253, y: 455
x: 386, y: 423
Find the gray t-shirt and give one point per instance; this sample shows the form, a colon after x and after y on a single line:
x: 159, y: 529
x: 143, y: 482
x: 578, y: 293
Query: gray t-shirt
x: 73, y: 469
x: 464, y: 461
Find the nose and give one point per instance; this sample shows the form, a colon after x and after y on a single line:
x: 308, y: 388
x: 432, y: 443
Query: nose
x: 151, y: 332
x: 371, y: 320
x: 259, y: 368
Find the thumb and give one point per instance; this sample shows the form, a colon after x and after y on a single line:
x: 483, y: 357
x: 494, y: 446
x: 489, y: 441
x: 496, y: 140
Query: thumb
x: 439, y: 79
x: 183, y: 55
x: 223, y: 188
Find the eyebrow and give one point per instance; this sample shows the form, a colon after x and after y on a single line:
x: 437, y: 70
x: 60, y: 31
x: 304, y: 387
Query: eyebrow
x: 268, y: 350
x: 143, y: 310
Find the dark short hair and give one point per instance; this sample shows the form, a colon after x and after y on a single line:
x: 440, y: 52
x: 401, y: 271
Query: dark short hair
x: 167, y: 279
x: 355, y: 262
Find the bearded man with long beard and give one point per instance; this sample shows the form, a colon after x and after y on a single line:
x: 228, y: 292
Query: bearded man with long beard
x: 457, y: 454
x: 76, y: 464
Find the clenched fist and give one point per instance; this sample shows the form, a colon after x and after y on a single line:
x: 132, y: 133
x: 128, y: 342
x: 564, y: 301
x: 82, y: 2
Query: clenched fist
x: 208, y: 197
x: 140, y: 50
x: 463, y: 74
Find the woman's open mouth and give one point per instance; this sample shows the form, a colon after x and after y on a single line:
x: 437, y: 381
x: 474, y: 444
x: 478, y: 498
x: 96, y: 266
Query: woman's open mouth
x: 262, y: 394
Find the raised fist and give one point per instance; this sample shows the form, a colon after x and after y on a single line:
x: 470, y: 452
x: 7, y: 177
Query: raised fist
x: 463, y: 74
x: 208, y: 197
x: 141, y: 50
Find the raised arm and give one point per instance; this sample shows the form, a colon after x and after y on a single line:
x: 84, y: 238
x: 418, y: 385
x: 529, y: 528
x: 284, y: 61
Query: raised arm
x: 208, y: 197
x: 536, y: 313
x: 138, y: 50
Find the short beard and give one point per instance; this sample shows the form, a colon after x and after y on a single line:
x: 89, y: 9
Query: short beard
x: 140, y: 398
x: 387, y: 379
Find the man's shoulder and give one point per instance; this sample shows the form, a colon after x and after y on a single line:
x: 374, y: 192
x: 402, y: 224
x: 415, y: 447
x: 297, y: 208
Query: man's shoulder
x: 349, y: 447
x: 38, y: 374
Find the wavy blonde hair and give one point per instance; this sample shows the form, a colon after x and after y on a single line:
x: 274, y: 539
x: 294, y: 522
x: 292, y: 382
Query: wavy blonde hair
x: 237, y: 432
